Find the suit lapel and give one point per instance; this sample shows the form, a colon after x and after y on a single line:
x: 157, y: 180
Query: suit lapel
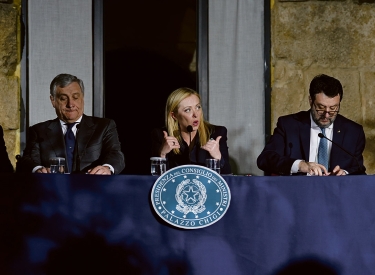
x: 337, y: 137
x: 55, y: 138
x: 86, y: 130
x: 304, y: 130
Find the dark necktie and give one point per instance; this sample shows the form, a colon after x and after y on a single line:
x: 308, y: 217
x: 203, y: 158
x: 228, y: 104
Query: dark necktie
x: 70, y: 142
x: 323, y: 151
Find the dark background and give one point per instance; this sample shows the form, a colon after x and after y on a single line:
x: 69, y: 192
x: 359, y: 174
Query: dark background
x: 149, y: 47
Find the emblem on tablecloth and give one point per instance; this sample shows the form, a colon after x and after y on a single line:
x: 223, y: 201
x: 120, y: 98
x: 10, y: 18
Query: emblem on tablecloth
x: 190, y: 196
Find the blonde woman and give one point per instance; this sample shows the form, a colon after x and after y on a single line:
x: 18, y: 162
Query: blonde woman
x: 187, y: 138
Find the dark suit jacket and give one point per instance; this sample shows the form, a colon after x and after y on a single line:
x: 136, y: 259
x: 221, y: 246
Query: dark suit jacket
x: 197, y: 156
x: 5, y: 164
x: 97, y: 143
x: 291, y: 141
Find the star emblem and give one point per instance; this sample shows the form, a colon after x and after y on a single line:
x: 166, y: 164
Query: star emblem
x: 190, y: 195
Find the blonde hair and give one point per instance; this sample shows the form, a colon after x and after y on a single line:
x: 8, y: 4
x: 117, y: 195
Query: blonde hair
x: 173, y: 128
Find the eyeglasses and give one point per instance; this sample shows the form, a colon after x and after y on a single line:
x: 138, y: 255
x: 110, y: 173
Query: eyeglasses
x: 324, y: 112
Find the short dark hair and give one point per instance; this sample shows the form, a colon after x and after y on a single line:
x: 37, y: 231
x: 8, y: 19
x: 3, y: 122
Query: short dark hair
x: 63, y: 80
x: 329, y: 85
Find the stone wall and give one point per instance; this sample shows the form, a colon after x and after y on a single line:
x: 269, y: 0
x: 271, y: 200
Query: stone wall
x: 332, y: 37
x: 9, y: 74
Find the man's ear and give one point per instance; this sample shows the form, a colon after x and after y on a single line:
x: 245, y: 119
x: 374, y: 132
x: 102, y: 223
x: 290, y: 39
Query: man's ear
x: 310, y: 101
x: 52, y: 100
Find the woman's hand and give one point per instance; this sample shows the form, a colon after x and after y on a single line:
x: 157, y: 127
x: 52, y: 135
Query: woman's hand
x: 212, y: 146
x: 169, y: 144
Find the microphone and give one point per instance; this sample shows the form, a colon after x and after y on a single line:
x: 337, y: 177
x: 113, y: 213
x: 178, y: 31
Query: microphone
x: 189, y: 129
x: 360, y: 169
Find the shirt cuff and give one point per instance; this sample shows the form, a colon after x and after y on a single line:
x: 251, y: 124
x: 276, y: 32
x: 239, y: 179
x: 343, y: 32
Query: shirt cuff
x: 110, y: 167
x: 295, y: 165
x: 36, y: 168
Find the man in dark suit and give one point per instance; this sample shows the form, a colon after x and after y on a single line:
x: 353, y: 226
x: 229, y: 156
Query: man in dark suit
x: 89, y: 144
x: 297, y: 147
x: 5, y: 164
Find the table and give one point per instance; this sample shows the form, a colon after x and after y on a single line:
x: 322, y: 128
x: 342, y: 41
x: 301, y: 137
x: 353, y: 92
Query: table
x: 85, y: 224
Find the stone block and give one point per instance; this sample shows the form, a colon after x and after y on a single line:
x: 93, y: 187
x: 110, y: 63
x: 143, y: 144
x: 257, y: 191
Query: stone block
x: 293, y: 0
x: 360, y: 2
x: 288, y: 91
x: 11, y: 142
x: 368, y: 97
x: 351, y: 104
x: 367, y: 80
x: 9, y: 102
x: 317, y: 0
x: 8, y: 39
x: 324, y: 33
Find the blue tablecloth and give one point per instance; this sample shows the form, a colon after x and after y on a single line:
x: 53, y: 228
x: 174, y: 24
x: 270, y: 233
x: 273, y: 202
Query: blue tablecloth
x: 83, y: 224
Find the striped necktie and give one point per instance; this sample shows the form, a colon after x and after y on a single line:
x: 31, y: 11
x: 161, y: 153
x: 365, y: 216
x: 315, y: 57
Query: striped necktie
x: 70, y: 141
x: 323, y: 151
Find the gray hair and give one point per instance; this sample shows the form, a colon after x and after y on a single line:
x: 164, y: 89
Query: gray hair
x: 63, y: 80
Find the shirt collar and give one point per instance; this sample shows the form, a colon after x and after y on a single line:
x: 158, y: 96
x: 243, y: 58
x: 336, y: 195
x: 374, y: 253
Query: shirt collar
x: 77, y: 121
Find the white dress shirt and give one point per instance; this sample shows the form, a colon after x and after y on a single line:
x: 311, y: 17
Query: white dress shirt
x: 74, y: 128
x: 314, y: 144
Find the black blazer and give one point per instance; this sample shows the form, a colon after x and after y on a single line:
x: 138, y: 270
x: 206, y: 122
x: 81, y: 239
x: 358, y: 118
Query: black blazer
x: 291, y: 141
x: 97, y: 143
x: 5, y: 164
x: 197, y: 156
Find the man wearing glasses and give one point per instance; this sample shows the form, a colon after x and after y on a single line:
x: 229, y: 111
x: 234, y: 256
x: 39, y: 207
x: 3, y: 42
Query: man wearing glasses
x: 301, y: 142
